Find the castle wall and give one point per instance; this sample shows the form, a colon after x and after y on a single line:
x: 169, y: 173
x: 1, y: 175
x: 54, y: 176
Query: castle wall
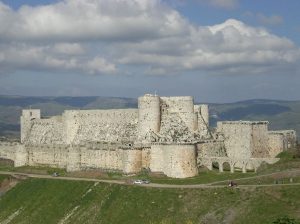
x: 157, y: 160
x: 15, y: 152
x: 132, y: 160
x: 178, y: 161
x: 259, y: 141
x: 25, y: 121
x: 105, y: 156
x: 211, y: 148
x: 183, y: 106
x: 148, y: 116
x: 8, y: 150
x: 46, y: 131
x: 202, y: 113
x: 109, y: 159
x: 104, y: 125
x: 146, y: 157
x: 237, y: 138
x: 289, y: 138
x: 47, y: 155
x: 245, y: 139
x: 276, y: 144
x: 70, y: 124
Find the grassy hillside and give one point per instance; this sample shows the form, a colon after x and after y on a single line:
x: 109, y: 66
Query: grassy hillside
x: 58, y: 201
x: 281, y: 114
x: 65, y: 201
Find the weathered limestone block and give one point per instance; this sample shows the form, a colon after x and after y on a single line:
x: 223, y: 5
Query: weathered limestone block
x: 46, y: 131
x: 25, y: 122
x: 211, y: 148
x: 276, y: 143
x: 132, y: 161
x: 202, y: 112
x: 21, y: 156
x: 183, y: 106
x: 179, y: 161
x: 8, y: 150
x: 148, y: 116
x: 74, y: 158
x: 105, y: 126
x: 289, y: 138
x: 245, y: 139
x: 47, y: 155
x: 157, y: 160
x: 146, y: 157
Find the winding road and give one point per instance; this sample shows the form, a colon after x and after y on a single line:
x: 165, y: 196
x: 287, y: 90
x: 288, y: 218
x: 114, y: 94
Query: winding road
x: 156, y: 185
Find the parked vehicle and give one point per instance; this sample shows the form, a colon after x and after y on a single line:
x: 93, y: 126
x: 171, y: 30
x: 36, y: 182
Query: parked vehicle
x: 55, y: 174
x: 138, y: 182
x: 146, y: 181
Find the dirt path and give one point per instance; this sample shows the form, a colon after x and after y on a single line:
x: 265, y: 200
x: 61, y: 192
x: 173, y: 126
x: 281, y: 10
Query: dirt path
x: 154, y: 185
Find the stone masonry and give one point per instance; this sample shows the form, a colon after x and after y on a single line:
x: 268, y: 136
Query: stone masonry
x: 169, y: 135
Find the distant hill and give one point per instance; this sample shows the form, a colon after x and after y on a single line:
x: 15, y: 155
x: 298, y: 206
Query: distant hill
x: 281, y: 114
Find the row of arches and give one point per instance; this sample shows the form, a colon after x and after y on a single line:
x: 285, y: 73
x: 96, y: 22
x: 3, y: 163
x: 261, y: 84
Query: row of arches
x: 226, y: 164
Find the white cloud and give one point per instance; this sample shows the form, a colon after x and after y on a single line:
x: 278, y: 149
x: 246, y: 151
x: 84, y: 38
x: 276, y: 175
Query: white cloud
x: 92, y: 20
x: 99, y: 36
x: 68, y: 48
x: 36, y: 58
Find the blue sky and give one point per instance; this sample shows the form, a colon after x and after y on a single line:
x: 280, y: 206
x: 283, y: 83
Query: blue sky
x: 215, y: 50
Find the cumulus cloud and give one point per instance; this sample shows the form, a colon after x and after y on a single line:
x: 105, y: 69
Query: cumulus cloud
x: 44, y: 57
x: 98, y: 36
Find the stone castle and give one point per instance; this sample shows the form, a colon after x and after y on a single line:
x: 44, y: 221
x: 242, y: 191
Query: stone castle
x: 169, y: 135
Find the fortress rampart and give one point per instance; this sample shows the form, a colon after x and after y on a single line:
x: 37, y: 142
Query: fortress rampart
x: 170, y: 135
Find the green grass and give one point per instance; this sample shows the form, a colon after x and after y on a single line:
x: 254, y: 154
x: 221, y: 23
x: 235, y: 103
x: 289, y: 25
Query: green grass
x: 49, y: 201
x: 289, y: 160
x: 3, y: 177
x: 33, y: 169
x: 203, y: 177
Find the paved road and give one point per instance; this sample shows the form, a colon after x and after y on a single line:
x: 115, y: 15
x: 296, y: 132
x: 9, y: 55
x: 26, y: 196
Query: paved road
x: 154, y: 185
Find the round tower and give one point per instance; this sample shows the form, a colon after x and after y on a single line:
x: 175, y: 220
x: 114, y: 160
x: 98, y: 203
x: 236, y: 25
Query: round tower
x: 149, y: 115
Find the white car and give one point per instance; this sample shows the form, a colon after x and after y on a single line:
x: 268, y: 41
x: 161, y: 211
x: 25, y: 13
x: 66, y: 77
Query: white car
x: 138, y: 182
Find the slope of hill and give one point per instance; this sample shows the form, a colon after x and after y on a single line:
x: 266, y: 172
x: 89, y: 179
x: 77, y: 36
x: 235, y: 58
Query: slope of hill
x: 88, y: 202
x: 281, y: 114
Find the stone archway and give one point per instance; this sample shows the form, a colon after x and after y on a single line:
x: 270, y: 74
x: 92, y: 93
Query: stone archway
x: 250, y: 166
x: 215, y: 164
x: 226, y: 166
